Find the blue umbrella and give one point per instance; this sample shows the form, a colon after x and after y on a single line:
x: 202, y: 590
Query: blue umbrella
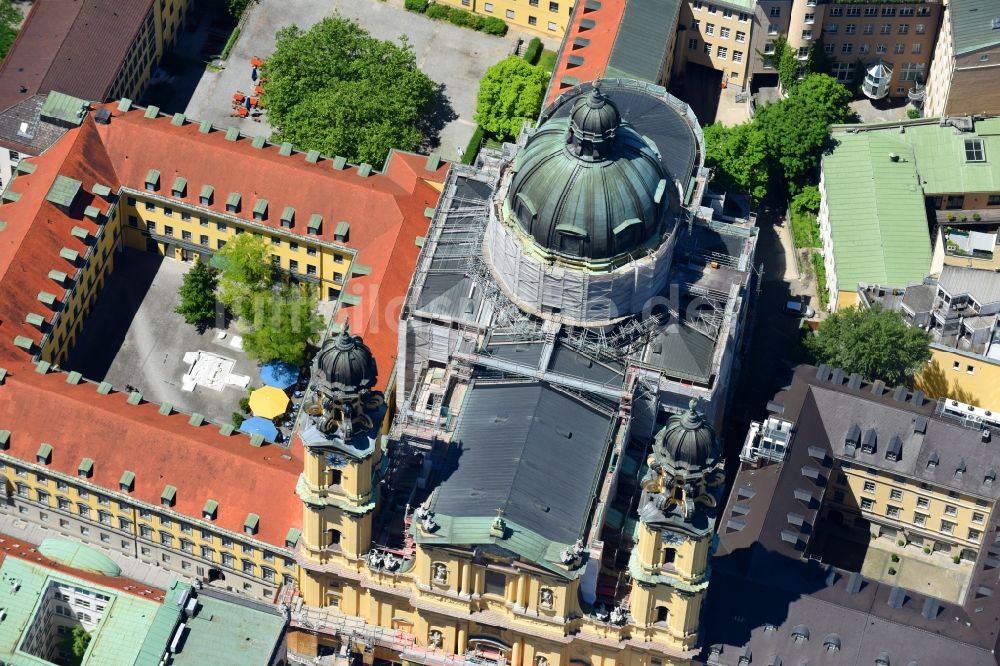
x: 246, y: 102
x: 258, y: 425
x: 279, y: 374
x: 253, y: 74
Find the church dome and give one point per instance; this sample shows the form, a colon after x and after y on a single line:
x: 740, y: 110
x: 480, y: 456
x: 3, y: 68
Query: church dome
x: 687, y: 442
x: 589, y: 187
x: 345, y: 364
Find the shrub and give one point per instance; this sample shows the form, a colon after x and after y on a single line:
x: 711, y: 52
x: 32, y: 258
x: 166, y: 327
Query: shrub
x: 956, y: 559
x: 901, y: 542
x: 977, y: 217
x: 472, y: 149
x: 459, y: 17
x: 230, y: 42
x: 419, y: 6
x: 927, y: 550
x: 245, y: 404
x: 494, y: 26
x: 439, y: 12
x: 913, y: 114
x: 892, y: 572
x: 894, y: 557
x: 533, y: 50
x: 237, y: 419
x: 951, y: 217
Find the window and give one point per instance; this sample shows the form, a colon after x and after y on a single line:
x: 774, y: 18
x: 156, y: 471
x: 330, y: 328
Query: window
x: 722, y: 52
x: 104, y: 517
x: 737, y: 57
x: 267, y: 574
x: 869, y: 486
x: 885, y: 29
x: 871, y: 11
x: 806, y: 34
x: 166, y: 539
x: 124, y: 524
x: 712, y: 8
x: 828, y: 48
x: 916, y: 48
x: 150, y: 205
x: 831, y: 28
x: 496, y: 583
x: 145, y: 532
x: 248, y: 567
x: 867, y: 504
x: 974, y: 535
x: 906, y: 11
x: 974, y: 152
x: 207, y: 553
x: 913, y: 72
x: 956, y: 201
x: 744, y: 17
x: 133, y: 221
x: 724, y: 32
x: 899, y: 48
x: 903, y: 28
x: 185, y: 216
x: 509, y: 13
x: 43, y: 496
x: 775, y: 12
x: 220, y: 244
x: 923, y: 503
x: 836, y: 11
x: 896, y: 494
x: 203, y: 221
x: 698, y: 4
x: 169, y: 212
x: 187, y: 546
x: 947, y: 526
x: 969, y: 369
x: 850, y: 29
x: 950, y: 510
x: 728, y: 13
x: 919, y: 519
x: 854, y: 11
x: 892, y: 511
x: 810, y: 19
x: 226, y: 542
x: 168, y: 230
x: 921, y: 28
x: 869, y: 29
x: 838, y: 496
x: 228, y: 559
x: 186, y: 235
x: 488, y: 7
x: 741, y: 36
x: 553, y: 6
x: 203, y: 240
x: 693, y: 44
x: 881, y: 48
x: 993, y: 200
x: 63, y: 502
x: 293, y: 266
x: 707, y: 48
x: 888, y: 11
x: 709, y: 28
x: 772, y: 29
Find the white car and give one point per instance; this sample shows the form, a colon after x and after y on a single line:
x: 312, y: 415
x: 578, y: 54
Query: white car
x: 799, y: 309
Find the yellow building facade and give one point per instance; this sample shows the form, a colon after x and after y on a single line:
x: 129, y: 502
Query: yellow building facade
x: 718, y: 36
x: 542, y: 17
x: 969, y: 378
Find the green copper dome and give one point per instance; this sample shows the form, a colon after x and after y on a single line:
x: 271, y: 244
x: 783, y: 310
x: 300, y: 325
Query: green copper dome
x: 589, y: 186
x: 687, y: 443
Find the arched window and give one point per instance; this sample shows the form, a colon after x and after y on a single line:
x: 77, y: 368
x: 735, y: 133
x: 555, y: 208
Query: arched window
x: 662, y: 612
x: 669, y: 555
x: 332, y: 537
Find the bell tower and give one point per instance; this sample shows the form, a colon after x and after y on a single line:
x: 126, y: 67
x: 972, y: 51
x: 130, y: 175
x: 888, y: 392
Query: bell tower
x: 342, y: 455
x: 676, y: 528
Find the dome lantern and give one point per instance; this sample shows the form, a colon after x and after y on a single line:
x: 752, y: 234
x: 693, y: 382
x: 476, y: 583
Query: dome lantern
x: 593, y: 125
x: 687, y: 444
x: 345, y: 364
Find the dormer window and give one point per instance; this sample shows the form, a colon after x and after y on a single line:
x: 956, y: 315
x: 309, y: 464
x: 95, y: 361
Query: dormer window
x: 868, y: 441
x: 800, y: 634
x: 933, y: 461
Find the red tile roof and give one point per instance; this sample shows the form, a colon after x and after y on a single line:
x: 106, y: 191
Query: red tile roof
x: 22, y: 550
x: 74, y: 46
x: 606, y: 18
x: 385, y: 212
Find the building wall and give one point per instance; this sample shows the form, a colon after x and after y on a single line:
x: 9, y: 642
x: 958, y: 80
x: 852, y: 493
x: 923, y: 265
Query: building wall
x: 941, y: 70
x: 770, y: 19
x: 952, y: 374
x: 548, y: 18
x: 900, y: 35
x: 717, y: 36
x: 114, y: 521
x: 974, y: 86
x: 936, y: 517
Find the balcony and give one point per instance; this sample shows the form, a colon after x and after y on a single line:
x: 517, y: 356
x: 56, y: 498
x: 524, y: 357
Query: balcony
x: 968, y: 216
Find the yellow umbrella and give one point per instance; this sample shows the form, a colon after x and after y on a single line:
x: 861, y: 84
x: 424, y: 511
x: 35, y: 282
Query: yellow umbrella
x: 269, y: 402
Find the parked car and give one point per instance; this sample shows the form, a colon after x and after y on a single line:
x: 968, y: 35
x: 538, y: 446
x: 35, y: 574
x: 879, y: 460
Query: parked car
x: 799, y: 309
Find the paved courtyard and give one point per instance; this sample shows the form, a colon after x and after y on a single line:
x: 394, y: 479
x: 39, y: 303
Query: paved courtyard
x: 133, y: 336
x: 454, y: 57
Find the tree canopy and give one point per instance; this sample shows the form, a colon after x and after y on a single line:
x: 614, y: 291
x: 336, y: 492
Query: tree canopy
x: 876, y: 343
x: 338, y: 90
x: 10, y: 19
x: 282, y: 325
x: 245, y: 269
x: 510, y: 92
x: 197, y: 294
x: 738, y: 155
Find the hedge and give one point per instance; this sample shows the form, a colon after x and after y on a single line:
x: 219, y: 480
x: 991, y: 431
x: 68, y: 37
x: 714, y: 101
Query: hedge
x: 533, y: 50
x: 230, y: 42
x: 475, y: 143
x: 460, y: 17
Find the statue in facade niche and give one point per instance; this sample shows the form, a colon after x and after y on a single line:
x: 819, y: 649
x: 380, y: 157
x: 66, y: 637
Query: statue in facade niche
x: 546, y: 598
x: 435, y: 639
x: 440, y: 572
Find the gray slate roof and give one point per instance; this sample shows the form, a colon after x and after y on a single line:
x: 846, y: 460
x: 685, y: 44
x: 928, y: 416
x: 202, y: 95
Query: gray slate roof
x: 37, y: 134
x: 529, y: 449
x: 640, y: 49
x: 982, y: 285
x: 971, y: 24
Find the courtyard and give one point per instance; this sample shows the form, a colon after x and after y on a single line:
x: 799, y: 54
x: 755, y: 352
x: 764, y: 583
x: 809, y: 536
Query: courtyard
x: 134, y: 338
x: 453, y: 57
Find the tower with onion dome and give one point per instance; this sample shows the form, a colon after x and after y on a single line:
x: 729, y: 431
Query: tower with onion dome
x: 676, y: 523
x: 342, y: 416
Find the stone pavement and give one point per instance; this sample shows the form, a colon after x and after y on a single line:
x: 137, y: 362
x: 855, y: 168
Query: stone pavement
x: 454, y: 57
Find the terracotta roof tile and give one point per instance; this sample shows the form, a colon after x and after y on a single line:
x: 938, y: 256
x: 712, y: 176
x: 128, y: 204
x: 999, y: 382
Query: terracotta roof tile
x: 606, y: 20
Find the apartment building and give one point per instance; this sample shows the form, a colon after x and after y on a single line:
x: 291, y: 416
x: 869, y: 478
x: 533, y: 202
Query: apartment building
x: 899, y: 203
x: 717, y: 35
x: 548, y: 18
x: 856, y: 37
x: 963, y: 76
x: 860, y: 485
x: 91, y: 51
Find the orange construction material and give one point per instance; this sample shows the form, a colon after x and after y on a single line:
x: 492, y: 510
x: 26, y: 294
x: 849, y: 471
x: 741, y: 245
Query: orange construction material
x: 243, y: 112
x: 256, y: 62
x: 238, y: 97
x: 259, y: 90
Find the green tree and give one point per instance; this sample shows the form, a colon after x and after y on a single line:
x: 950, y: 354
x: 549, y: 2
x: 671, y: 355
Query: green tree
x: 10, y: 19
x: 245, y: 270
x: 797, y: 128
x: 237, y: 7
x: 738, y: 155
x: 81, y: 639
x: 510, y: 93
x: 282, y: 326
x: 197, y: 294
x: 807, y: 201
x: 818, y: 61
x: 788, y: 64
x: 876, y: 343
x: 338, y: 90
